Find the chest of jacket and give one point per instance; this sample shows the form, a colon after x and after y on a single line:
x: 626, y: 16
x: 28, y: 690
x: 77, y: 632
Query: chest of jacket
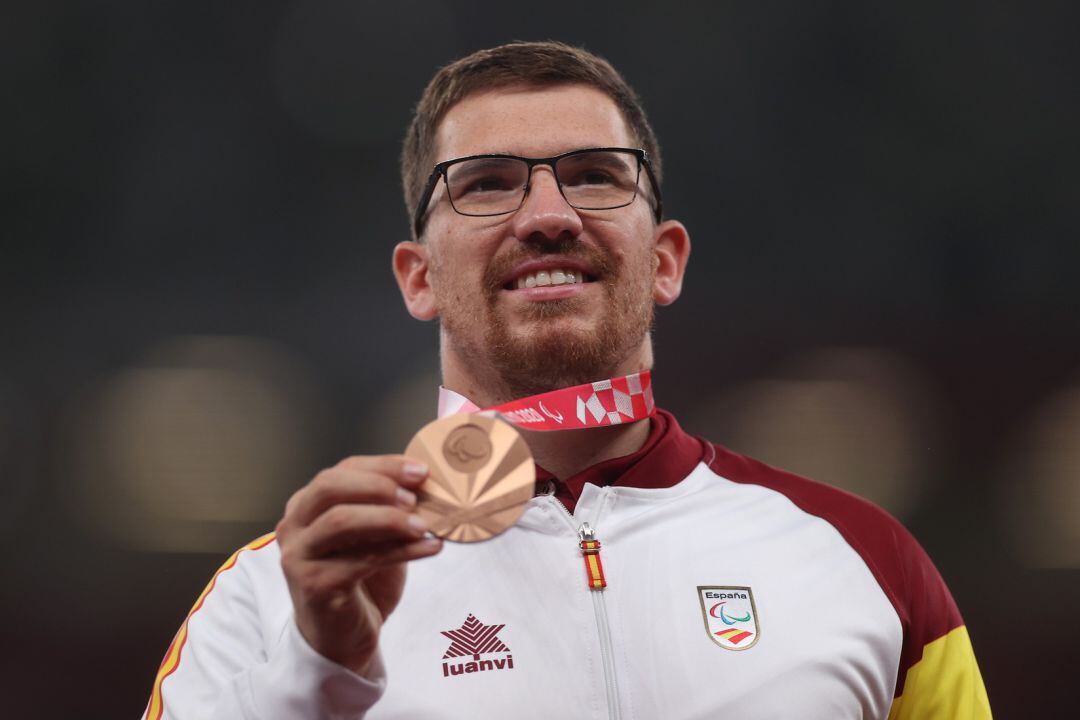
x: 719, y: 599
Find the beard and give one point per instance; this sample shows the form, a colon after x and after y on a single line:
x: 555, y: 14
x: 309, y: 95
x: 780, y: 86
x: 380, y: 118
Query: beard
x: 546, y: 354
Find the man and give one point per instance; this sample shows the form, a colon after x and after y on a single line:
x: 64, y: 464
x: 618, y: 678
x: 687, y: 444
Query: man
x: 721, y: 587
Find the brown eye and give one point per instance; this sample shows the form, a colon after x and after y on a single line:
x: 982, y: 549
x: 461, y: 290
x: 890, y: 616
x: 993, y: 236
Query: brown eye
x: 488, y: 184
x: 595, y: 177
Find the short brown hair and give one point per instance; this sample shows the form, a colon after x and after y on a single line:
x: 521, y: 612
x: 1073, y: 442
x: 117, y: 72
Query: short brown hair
x: 541, y: 64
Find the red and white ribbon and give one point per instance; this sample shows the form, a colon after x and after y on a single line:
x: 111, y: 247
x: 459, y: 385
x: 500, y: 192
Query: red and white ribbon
x: 605, y: 402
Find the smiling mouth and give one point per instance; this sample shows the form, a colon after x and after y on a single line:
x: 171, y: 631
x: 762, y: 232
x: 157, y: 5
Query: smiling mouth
x: 548, y: 278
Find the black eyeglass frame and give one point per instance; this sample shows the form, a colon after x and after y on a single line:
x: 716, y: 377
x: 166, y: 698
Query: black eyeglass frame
x: 440, y: 170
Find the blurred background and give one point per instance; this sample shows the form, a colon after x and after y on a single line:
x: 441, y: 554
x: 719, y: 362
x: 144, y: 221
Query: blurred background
x: 198, y: 206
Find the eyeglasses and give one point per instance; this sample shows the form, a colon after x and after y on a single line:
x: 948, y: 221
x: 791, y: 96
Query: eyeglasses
x: 591, y: 179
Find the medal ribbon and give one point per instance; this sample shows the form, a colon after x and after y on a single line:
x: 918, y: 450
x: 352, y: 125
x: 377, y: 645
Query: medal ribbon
x: 605, y: 402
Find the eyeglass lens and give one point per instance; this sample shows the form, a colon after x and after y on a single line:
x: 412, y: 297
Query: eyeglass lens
x: 589, y: 181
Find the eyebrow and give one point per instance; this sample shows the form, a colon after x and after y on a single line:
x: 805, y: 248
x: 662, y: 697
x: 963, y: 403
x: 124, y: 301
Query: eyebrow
x: 483, y: 163
x: 610, y: 159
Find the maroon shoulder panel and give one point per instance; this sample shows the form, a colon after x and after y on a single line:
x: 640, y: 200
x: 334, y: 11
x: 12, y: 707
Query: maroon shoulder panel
x: 902, y: 568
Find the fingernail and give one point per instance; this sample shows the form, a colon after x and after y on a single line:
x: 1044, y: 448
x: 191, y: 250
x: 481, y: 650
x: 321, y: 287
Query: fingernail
x: 429, y: 544
x: 415, y: 470
x: 417, y: 524
x: 405, y: 497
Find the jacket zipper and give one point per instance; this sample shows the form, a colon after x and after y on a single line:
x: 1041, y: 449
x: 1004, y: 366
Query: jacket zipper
x: 596, y: 582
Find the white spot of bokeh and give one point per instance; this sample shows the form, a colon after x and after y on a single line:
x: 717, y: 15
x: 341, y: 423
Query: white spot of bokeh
x: 858, y: 419
x: 193, y: 448
x: 1039, y: 498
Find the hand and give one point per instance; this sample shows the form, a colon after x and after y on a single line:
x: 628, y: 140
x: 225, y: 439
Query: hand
x: 344, y: 540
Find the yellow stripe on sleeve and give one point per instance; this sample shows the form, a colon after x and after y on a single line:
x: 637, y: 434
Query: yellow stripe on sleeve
x: 156, y: 707
x: 945, y: 683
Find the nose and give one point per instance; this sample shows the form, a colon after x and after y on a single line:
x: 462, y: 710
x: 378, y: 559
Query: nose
x: 545, y: 214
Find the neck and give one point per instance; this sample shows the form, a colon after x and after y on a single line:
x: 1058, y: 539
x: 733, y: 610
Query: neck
x: 568, y: 452
x: 562, y: 453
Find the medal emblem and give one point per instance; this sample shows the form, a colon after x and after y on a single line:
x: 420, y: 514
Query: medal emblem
x: 731, y: 618
x: 482, y: 475
x: 467, y: 448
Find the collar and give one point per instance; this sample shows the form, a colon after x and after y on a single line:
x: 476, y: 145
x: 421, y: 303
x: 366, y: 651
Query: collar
x: 452, y: 403
x: 668, y: 456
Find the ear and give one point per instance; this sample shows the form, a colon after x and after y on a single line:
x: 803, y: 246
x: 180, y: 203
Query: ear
x: 411, y: 272
x: 672, y: 252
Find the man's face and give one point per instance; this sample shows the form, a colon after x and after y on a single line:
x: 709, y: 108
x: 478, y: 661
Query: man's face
x: 538, y: 338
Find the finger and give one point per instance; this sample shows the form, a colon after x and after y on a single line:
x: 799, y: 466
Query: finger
x: 361, y: 562
x: 393, y: 553
x: 337, y: 486
x: 407, y: 471
x: 359, y: 529
x: 320, y: 577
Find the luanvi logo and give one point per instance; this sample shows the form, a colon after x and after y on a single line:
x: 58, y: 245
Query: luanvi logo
x: 474, y: 639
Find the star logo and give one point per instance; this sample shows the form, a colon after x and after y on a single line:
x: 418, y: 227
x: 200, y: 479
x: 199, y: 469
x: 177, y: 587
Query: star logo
x: 474, y: 639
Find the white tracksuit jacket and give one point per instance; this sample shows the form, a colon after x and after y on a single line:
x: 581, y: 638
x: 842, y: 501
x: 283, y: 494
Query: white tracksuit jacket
x: 733, y: 590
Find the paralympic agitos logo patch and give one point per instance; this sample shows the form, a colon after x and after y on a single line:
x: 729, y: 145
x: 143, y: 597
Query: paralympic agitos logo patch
x: 731, y: 618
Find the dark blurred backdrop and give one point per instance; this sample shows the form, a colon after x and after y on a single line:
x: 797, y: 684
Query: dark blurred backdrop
x: 198, y: 206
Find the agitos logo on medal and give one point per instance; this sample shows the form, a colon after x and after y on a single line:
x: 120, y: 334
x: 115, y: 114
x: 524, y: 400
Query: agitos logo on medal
x: 731, y: 619
x: 467, y: 448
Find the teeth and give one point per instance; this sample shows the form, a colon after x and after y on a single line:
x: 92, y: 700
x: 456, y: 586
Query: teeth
x: 544, y: 278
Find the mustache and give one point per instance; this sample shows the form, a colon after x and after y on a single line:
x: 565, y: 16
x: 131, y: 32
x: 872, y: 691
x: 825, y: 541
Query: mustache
x: 600, y: 264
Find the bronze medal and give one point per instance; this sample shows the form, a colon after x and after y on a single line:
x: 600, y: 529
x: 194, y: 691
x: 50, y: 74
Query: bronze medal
x: 482, y: 474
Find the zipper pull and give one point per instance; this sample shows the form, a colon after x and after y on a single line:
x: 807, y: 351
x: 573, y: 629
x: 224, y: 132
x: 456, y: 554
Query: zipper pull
x: 590, y: 549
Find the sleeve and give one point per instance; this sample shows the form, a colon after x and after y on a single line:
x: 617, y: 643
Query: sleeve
x: 220, y: 666
x: 938, y: 675
x: 944, y: 683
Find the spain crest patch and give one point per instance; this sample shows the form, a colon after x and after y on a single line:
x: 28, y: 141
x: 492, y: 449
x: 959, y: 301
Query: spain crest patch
x: 731, y: 618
